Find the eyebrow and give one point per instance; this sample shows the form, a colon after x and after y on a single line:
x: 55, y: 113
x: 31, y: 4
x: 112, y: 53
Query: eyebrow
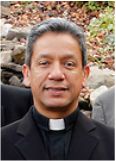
x: 45, y: 54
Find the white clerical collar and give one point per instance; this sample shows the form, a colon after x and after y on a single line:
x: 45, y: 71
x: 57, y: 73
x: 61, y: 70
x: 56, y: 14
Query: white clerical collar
x: 56, y: 124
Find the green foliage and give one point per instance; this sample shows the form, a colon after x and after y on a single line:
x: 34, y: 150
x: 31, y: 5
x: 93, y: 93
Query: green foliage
x: 25, y: 2
x: 102, y: 35
x: 92, y: 6
x: 104, y: 23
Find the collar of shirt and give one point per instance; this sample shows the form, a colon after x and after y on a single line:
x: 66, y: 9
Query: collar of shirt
x: 54, y: 124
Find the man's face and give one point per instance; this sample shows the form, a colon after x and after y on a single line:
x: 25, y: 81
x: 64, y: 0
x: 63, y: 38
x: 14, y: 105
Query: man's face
x: 56, y: 74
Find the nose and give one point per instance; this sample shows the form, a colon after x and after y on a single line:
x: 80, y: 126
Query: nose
x: 56, y: 73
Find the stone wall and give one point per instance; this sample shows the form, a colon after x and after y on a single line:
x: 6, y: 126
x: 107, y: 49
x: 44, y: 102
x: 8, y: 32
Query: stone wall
x: 13, y: 48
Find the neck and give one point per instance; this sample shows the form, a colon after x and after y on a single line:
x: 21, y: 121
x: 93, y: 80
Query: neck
x: 56, y: 112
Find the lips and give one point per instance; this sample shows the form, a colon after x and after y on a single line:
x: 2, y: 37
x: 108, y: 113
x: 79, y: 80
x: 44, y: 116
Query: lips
x: 59, y: 90
x: 56, y: 88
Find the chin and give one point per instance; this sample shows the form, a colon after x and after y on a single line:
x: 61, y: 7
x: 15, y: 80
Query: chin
x: 57, y: 105
x: 57, y: 109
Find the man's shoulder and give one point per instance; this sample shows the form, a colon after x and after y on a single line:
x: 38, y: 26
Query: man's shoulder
x: 10, y: 128
x: 9, y: 134
x: 23, y: 123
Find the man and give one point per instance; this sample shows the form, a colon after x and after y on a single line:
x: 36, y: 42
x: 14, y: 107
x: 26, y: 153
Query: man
x: 104, y: 107
x: 12, y: 111
x: 54, y: 129
x: 15, y: 102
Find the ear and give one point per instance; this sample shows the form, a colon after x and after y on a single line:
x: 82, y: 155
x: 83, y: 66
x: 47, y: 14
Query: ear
x: 26, y: 75
x: 86, y: 74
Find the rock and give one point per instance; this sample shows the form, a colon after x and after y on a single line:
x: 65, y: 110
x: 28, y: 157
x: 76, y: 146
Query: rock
x: 2, y: 22
x: 7, y: 3
x: 15, y: 81
x: 18, y: 55
x: 99, y: 77
x: 16, y: 68
x: 7, y: 45
x: 5, y: 12
x: 9, y: 70
x: 5, y: 76
x: 5, y: 29
x: 18, y: 33
x: 6, y: 56
x: 96, y: 93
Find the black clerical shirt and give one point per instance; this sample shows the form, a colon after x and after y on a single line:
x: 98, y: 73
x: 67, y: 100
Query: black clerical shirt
x: 56, y: 142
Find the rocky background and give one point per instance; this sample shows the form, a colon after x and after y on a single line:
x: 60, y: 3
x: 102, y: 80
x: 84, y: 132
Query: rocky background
x: 17, y: 18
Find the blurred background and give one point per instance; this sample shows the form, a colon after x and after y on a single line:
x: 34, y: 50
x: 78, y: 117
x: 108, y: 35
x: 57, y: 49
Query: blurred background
x: 95, y: 17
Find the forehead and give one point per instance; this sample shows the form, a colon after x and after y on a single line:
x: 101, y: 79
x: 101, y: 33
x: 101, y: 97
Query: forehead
x: 56, y: 43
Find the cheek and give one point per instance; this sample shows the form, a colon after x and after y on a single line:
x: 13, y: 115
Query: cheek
x: 76, y: 79
x: 76, y: 75
x: 38, y: 77
x: 37, y: 73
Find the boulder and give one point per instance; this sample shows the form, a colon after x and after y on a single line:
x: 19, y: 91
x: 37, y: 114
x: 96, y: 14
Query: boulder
x: 16, y: 68
x: 5, y: 29
x: 8, y: 71
x: 6, y: 56
x: 7, y: 45
x: 15, y: 81
x: 18, y: 33
x: 7, y: 3
x: 18, y: 55
x: 5, y: 76
x: 5, y: 12
x: 99, y: 77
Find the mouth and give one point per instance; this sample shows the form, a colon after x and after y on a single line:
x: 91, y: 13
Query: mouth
x: 56, y: 88
x: 56, y: 91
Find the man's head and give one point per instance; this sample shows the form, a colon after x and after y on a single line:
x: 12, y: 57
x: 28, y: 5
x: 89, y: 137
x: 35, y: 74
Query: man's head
x: 58, y: 25
x: 55, y: 66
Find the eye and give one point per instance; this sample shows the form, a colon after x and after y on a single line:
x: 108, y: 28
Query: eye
x: 69, y: 64
x: 43, y: 63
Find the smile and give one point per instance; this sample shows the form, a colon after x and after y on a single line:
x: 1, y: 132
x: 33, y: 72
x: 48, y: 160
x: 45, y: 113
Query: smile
x: 56, y: 91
